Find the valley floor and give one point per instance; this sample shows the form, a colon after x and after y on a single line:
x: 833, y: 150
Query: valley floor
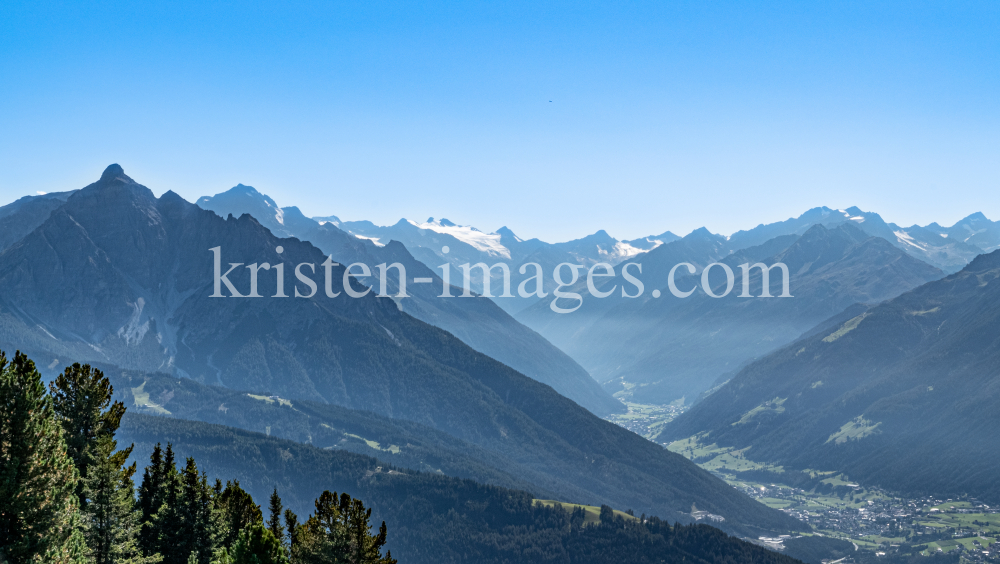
x: 646, y: 419
x: 872, y: 519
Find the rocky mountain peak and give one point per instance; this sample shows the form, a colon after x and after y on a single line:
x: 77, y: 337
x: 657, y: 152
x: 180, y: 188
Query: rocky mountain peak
x: 115, y: 172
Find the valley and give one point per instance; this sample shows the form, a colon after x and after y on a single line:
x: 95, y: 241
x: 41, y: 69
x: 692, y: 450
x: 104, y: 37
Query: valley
x: 646, y: 420
x: 874, y: 519
x: 699, y: 412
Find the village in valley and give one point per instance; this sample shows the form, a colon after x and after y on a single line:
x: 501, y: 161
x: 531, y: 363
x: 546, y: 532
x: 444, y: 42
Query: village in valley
x: 871, y: 519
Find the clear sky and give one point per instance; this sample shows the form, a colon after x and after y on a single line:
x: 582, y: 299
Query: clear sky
x: 555, y: 119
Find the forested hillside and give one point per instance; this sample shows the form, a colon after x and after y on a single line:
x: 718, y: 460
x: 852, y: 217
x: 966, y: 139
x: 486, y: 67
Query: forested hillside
x: 437, y: 519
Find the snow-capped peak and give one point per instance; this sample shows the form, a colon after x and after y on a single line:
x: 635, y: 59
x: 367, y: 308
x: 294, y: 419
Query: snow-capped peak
x: 486, y: 242
x: 621, y: 250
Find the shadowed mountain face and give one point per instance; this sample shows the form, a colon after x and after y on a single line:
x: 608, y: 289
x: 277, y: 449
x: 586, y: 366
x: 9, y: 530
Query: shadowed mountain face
x: 662, y: 349
x: 120, y: 277
x: 21, y: 217
x: 902, y: 395
x: 478, y: 322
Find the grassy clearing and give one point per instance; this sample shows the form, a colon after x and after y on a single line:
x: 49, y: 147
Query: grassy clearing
x: 393, y: 449
x: 272, y: 399
x: 839, y: 480
x: 142, y: 401
x: 592, y: 514
x: 712, y: 457
x: 857, y: 428
x: 374, y: 444
x: 773, y: 406
x: 776, y: 503
x: 973, y: 521
x: 970, y: 543
x: 845, y: 329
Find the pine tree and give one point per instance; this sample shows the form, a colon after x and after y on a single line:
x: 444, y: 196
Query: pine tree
x: 39, y: 514
x: 364, y: 548
x: 291, y: 525
x: 339, y: 532
x: 238, y: 511
x: 258, y: 545
x: 82, y: 400
x: 113, y: 518
x: 162, y: 533
x: 151, y: 497
x: 274, y: 521
x: 184, y: 522
x: 81, y: 397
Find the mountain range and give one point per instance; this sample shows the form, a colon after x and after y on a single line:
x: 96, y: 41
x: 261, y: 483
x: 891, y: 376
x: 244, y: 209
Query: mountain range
x: 624, y: 343
x: 478, y: 322
x: 467, y: 245
x: 661, y: 349
x: 880, y: 365
x: 119, y: 277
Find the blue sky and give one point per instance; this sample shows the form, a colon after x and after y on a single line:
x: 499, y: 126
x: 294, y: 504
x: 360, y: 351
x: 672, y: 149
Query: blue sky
x: 662, y: 115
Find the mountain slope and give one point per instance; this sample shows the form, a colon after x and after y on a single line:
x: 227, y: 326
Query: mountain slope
x: 432, y: 519
x: 902, y: 396
x: 662, y: 349
x: 21, y: 217
x: 478, y: 322
x: 120, y: 277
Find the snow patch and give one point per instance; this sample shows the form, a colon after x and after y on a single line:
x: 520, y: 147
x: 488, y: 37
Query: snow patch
x: 372, y: 239
x: 621, y: 250
x: 279, y: 215
x: 488, y: 243
x: 657, y: 243
x: 904, y: 237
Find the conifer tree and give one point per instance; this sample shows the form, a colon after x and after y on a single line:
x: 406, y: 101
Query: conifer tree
x: 364, y: 548
x: 274, y: 521
x: 82, y: 400
x: 257, y: 545
x: 81, y: 397
x: 238, y: 511
x: 151, y: 497
x: 39, y: 513
x: 113, y: 517
x: 184, y: 522
x: 339, y: 532
x: 165, y: 532
x: 291, y: 525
